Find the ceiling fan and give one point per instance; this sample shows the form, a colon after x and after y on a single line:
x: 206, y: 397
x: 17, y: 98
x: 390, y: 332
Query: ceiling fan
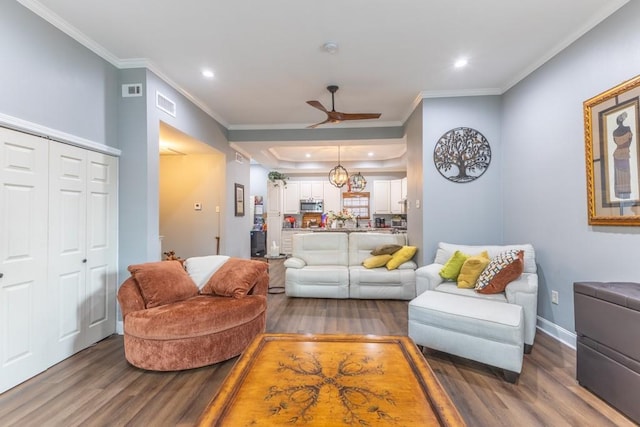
x: 334, y: 116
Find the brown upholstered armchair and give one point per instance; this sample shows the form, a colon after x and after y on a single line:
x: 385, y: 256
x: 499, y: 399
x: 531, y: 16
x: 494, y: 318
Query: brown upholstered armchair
x: 170, y: 324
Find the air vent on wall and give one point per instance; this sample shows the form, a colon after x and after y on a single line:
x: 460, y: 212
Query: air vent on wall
x: 129, y: 90
x: 165, y: 104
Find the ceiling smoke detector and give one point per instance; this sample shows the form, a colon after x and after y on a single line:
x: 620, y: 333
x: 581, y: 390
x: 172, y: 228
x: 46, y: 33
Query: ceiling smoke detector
x: 331, y: 47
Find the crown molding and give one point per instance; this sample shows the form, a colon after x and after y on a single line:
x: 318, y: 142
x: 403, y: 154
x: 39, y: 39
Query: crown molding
x: 607, y: 10
x: 80, y: 37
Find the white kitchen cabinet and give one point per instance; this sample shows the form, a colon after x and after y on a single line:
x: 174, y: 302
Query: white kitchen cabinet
x: 286, y: 246
x: 331, y: 196
x: 381, y: 195
x: 291, y: 198
x: 58, y: 217
x: 395, y: 196
x: 311, y: 190
x: 274, y: 213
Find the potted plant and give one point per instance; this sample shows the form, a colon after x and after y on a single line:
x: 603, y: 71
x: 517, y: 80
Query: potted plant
x: 276, y: 177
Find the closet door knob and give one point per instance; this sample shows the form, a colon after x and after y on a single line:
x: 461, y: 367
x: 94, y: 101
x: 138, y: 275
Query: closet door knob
x: 1, y: 275
x: 84, y: 261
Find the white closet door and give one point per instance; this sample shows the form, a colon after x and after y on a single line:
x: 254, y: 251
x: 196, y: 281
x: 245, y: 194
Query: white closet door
x: 102, y: 237
x: 23, y: 256
x: 67, y: 247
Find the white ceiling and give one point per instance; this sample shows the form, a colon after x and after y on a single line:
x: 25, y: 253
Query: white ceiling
x: 268, y: 56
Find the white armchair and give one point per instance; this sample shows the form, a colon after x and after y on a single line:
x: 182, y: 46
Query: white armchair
x: 495, y: 329
x: 522, y: 291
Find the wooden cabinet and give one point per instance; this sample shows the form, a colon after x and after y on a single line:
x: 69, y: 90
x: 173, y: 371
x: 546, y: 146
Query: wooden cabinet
x: 291, y: 198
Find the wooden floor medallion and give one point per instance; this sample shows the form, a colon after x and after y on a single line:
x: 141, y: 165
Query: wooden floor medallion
x: 331, y: 380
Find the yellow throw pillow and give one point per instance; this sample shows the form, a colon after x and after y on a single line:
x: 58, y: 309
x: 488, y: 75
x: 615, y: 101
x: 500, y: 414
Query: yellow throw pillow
x: 452, y: 267
x: 472, y: 269
x: 401, y: 256
x: 376, y: 261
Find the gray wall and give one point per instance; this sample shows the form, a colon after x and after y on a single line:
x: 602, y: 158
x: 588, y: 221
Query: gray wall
x: 469, y: 213
x: 544, y: 183
x: 415, y: 225
x: 49, y: 79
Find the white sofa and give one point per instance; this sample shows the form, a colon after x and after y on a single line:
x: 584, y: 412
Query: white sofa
x: 490, y: 328
x: 329, y: 265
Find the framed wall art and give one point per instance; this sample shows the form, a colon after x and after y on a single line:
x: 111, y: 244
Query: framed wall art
x: 612, y: 152
x: 462, y: 155
x: 239, y: 198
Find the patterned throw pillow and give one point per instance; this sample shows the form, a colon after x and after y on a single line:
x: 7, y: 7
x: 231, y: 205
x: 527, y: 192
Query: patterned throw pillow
x: 502, y: 270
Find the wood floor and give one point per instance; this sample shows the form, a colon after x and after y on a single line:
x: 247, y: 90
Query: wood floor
x: 97, y: 387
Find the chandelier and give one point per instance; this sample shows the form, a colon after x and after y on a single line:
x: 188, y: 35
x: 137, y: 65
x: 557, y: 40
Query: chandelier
x: 338, y: 176
x: 357, y: 182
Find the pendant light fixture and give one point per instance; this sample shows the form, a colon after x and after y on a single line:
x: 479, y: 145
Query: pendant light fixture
x: 357, y: 182
x: 338, y: 176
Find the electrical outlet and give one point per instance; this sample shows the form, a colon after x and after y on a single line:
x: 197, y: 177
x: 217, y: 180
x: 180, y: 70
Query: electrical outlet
x: 554, y: 297
x: 217, y: 209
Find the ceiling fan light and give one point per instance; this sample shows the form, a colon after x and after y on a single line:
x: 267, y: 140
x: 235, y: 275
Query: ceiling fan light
x: 338, y: 176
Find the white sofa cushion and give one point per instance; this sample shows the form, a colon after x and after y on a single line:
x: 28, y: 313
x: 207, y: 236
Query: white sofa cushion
x: 322, y: 248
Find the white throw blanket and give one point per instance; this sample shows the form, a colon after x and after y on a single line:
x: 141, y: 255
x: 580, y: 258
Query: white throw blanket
x: 201, y: 268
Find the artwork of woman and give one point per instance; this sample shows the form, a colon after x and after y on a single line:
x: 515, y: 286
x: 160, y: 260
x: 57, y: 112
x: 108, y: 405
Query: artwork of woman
x: 622, y: 174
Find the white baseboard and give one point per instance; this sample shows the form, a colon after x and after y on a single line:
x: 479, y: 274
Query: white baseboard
x: 557, y: 332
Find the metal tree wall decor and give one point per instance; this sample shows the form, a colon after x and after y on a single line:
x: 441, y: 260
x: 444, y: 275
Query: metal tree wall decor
x: 462, y: 154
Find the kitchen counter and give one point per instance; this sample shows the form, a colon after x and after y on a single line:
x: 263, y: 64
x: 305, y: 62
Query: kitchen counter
x: 341, y: 230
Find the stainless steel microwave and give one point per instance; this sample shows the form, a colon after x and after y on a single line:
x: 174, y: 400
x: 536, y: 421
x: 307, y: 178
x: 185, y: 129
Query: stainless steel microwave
x: 311, y: 205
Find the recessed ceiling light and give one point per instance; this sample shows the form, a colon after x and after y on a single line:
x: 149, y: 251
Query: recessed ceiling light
x: 460, y: 63
x: 208, y: 74
x: 370, y: 154
x: 307, y: 155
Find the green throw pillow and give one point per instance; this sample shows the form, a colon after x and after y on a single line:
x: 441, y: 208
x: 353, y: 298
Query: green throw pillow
x: 452, y: 267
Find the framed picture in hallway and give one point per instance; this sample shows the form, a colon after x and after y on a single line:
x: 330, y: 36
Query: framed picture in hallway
x: 612, y: 152
x: 239, y: 198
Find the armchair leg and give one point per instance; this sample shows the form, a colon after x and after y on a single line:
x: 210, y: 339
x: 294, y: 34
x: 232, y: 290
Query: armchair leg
x: 511, y: 377
x: 528, y: 348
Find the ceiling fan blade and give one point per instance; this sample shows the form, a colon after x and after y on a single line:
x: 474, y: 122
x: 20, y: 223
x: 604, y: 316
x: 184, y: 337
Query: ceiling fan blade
x: 316, y: 104
x: 359, y: 116
x: 318, y: 124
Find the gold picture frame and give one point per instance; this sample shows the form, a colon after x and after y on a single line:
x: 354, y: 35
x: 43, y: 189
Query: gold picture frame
x: 612, y: 152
